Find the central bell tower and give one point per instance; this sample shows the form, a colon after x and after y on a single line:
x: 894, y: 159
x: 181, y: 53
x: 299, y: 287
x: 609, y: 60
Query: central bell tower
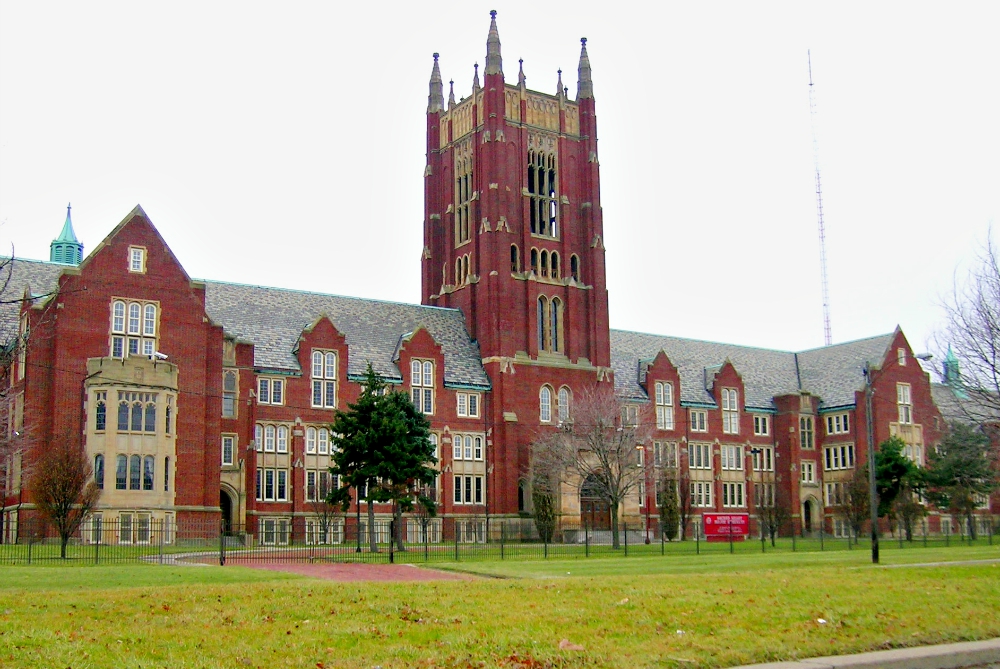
x: 513, y: 237
x: 513, y: 234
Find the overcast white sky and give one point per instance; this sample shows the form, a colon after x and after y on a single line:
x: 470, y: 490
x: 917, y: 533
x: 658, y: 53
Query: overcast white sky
x: 283, y: 144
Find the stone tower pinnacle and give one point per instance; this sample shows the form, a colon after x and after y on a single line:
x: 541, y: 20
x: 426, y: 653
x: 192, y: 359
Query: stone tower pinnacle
x: 494, y: 64
x: 585, y: 86
x: 435, y: 100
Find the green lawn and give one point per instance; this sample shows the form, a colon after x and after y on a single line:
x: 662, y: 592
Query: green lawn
x: 644, y: 611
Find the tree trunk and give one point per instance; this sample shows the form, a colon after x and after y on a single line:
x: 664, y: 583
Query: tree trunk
x: 970, y: 522
x: 397, y: 514
x: 372, y: 534
x: 63, y: 540
x: 615, y: 541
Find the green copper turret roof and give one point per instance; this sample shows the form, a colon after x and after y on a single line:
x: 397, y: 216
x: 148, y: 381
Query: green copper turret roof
x: 66, y: 248
x: 67, y: 234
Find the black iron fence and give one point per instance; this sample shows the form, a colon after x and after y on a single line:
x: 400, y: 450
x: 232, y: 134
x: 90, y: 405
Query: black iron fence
x: 415, y: 539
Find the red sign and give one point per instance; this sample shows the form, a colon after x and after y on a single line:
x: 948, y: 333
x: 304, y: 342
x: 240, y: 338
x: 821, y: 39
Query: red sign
x: 723, y: 526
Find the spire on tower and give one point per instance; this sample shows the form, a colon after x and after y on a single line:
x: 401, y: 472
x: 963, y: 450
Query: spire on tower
x: 435, y: 101
x: 559, y: 84
x: 451, y: 93
x: 66, y: 248
x: 520, y: 73
x: 494, y: 64
x: 584, y: 86
x: 475, y: 79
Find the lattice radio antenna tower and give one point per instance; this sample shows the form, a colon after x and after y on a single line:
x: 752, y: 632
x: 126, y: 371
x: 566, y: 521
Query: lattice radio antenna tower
x: 827, y: 335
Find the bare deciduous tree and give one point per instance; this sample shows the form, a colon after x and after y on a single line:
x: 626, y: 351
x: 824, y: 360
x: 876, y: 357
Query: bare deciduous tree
x: 854, y: 503
x: 63, y: 488
x: 602, y: 448
x: 973, y: 332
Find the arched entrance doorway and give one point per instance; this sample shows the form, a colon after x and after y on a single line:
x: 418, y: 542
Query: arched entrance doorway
x: 595, y: 512
x: 226, y: 506
x: 807, y: 517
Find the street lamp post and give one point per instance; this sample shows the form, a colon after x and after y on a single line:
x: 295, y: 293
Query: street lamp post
x: 872, y: 490
x: 641, y: 448
x: 756, y: 499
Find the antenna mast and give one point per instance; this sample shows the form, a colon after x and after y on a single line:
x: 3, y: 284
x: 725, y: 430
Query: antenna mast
x: 827, y: 335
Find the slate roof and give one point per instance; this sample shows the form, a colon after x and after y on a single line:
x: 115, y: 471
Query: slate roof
x: 274, y: 318
x: 39, y: 276
x: 832, y: 372
x: 963, y: 407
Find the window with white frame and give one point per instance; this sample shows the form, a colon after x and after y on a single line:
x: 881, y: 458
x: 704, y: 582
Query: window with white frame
x: 699, y: 420
x: 763, y: 494
x: 468, y: 489
x: 630, y: 415
x: 271, y: 438
x: 701, y: 493
x: 732, y: 457
x: 664, y: 396
x: 901, y: 357
x: 763, y: 458
x: 761, y: 425
x: 838, y: 423
x: 840, y: 456
x: 318, y: 441
x: 665, y: 454
x: 272, y: 485
x: 230, y: 392
x: 137, y: 259
x: 834, y: 494
x: 324, y: 379
x: 319, y: 484
x: 545, y: 404
x: 468, y: 404
x: 274, y: 531
x: 730, y: 411
x: 562, y: 404
x: 807, y: 471
x: 228, y: 450
x: 134, y: 327
x: 732, y: 494
x: 467, y: 447
x: 422, y: 385
x: 699, y: 456
x: 270, y: 390
x: 807, y: 437
x: 904, y: 403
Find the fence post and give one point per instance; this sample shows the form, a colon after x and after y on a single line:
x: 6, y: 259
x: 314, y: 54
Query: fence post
x: 793, y: 536
x: 662, y: 551
x: 730, y: 527
x: 97, y: 544
x: 697, y: 539
x: 29, y: 546
x: 222, y: 546
x: 392, y: 540
x: 501, y: 539
x: 455, y: 527
x: 161, y: 540
x: 427, y: 526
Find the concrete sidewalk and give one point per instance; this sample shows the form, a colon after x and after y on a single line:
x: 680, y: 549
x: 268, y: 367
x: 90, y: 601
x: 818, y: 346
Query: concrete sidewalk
x: 946, y: 656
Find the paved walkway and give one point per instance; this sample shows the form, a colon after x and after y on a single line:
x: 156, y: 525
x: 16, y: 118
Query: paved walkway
x: 967, y: 655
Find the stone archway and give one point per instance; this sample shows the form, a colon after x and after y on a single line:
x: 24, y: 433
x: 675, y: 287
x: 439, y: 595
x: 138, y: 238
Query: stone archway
x: 808, y: 516
x: 595, y: 512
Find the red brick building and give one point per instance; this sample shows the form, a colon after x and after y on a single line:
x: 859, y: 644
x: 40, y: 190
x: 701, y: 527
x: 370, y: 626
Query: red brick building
x: 208, y: 399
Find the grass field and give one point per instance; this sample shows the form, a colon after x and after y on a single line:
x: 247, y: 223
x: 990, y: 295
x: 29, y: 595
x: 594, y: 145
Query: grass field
x: 644, y: 611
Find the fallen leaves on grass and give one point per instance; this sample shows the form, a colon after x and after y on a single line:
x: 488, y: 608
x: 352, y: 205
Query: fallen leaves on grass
x: 566, y: 644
